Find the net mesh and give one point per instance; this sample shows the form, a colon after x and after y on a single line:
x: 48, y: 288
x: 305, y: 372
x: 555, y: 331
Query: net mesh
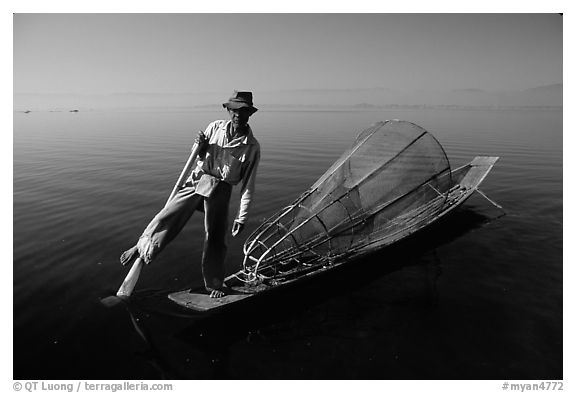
x: 394, y: 177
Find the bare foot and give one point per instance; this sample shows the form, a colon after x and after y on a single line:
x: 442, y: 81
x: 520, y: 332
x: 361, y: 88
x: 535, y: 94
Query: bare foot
x: 129, y: 255
x: 217, y: 293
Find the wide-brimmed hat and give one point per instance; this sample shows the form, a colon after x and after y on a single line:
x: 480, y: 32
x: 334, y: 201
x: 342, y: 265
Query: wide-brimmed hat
x: 240, y: 99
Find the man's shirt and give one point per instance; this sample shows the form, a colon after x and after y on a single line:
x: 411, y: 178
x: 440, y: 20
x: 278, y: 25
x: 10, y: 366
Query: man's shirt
x: 230, y: 160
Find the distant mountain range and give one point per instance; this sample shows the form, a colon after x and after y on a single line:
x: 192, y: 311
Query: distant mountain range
x: 549, y: 95
x: 353, y: 98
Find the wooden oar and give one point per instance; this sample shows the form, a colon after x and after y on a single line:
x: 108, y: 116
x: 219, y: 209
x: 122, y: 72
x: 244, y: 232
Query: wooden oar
x: 132, y: 277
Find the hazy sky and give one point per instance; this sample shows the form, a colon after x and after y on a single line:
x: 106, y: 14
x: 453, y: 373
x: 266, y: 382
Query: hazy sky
x: 187, y: 53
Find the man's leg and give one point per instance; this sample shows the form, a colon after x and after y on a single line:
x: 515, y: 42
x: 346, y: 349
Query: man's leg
x: 216, y: 226
x: 164, y: 226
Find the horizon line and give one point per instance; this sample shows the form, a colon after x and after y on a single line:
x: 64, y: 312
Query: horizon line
x: 295, y: 90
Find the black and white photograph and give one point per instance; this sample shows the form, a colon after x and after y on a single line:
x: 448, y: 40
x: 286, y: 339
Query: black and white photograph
x: 287, y: 196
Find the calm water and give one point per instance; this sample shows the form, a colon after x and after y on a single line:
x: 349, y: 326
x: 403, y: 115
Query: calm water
x: 477, y: 297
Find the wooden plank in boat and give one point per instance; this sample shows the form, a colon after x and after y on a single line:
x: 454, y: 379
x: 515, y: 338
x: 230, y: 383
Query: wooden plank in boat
x: 203, y: 302
x: 480, y: 167
x: 484, y: 161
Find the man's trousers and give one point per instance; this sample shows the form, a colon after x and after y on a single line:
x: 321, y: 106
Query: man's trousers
x: 171, y: 219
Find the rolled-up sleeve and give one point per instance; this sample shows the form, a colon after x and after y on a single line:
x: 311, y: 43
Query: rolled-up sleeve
x: 248, y: 186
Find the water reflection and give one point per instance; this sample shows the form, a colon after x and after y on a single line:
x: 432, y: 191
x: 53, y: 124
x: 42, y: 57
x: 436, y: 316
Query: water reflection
x: 201, y: 344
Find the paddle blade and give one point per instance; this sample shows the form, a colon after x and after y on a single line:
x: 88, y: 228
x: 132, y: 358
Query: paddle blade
x: 112, y: 301
x: 131, y: 279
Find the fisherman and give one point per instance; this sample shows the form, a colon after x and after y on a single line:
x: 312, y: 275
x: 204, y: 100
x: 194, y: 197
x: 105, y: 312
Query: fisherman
x: 229, y: 155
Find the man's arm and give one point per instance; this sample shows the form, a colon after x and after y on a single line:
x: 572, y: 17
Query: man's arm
x: 247, y: 191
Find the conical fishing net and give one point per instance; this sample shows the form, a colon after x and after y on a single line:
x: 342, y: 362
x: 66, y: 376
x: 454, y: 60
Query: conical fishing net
x: 394, y: 177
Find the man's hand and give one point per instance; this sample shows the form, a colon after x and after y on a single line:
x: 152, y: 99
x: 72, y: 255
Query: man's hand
x: 202, y: 143
x: 237, y: 228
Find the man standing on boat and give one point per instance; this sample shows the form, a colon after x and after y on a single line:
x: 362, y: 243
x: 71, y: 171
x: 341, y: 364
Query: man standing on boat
x: 229, y: 155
